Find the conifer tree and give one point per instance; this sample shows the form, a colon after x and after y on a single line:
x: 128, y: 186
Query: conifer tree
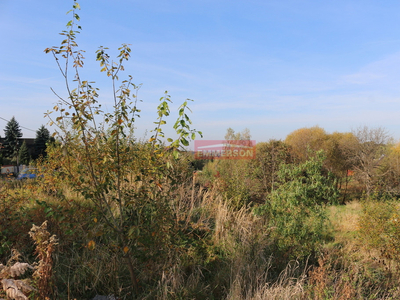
x: 12, y: 137
x: 42, y: 137
x: 24, y: 157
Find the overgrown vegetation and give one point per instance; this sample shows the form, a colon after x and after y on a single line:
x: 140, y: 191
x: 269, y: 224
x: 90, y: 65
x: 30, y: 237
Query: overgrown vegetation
x: 15, y: 279
x: 312, y: 217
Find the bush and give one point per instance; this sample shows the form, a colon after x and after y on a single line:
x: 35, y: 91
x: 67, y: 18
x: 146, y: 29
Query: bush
x: 380, y: 227
x: 129, y: 184
x: 296, y: 208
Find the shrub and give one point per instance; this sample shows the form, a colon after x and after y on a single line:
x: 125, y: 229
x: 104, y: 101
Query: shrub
x: 296, y: 208
x: 380, y: 227
x: 130, y: 184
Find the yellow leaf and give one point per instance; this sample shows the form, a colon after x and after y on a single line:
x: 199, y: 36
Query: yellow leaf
x: 95, y: 220
x: 91, y: 245
x: 126, y: 249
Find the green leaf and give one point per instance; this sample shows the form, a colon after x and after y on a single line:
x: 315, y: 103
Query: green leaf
x: 175, y: 154
x: 184, y: 142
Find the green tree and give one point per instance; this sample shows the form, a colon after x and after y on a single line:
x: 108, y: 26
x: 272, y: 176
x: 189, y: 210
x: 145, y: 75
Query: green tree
x: 296, y: 208
x: 339, y: 158
x: 269, y: 156
x: 41, y: 140
x: 12, y: 135
x: 238, y: 136
x: 130, y: 184
x: 24, y: 157
x: 234, y: 172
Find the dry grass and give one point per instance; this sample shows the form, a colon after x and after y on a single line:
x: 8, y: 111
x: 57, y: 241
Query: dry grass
x: 237, y: 261
x: 344, y: 220
x: 289, y: 285
x: 344, y: 272
x: 349, y: 269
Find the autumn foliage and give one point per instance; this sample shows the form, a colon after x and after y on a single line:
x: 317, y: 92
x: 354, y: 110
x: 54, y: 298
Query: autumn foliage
x: 142, y: 219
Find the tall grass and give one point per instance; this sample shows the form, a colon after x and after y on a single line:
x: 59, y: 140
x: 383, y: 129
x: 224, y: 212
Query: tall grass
x: 217, y: 251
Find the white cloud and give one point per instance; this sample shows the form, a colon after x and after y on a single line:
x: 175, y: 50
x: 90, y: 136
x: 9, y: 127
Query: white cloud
x: 384, y: 72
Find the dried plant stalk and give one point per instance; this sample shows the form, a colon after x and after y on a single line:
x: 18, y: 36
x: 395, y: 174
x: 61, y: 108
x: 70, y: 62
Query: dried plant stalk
x: 11, y: 289
x: 19, y: 269
x: 45, y: 246
x: 15, y: 289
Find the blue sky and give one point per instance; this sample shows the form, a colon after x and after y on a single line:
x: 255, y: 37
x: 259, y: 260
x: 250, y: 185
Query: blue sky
x: 270, y: 66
